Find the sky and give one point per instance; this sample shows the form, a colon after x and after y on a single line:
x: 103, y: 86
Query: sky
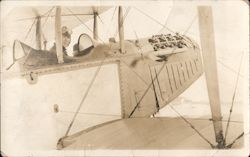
x: 25, y: 106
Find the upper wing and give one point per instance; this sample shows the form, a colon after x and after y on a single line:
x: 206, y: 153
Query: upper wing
x: 18, y: 22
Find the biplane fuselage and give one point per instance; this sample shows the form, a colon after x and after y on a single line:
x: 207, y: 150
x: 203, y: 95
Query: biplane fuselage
x: 152, y: 72
x: 171, y: 68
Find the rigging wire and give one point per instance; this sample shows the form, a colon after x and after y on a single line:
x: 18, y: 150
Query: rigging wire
x: 153, y: 19
x: 34, y: 21
x: 139, y: 76
x: 194, y: 19
x: 231, y: 144
x: 113, y: 14
x: 124, y: 17
x: 80, y: 20
x: 155, y: 94
x: 161, y: 24
x: 229, y: 68
x: 111, y: 20
x: 136, y: 106
x: 166, y: 22
x: 34, y: 35
x: 192, y: 127
x: 27, y: 34
x: 223, y: 64
x: 233, y: 98
x: 146, y: 91
x: 48, y: 12
x: 13, y: 48
x: 47, y: 17
x: 84, y: 97
x: 154, y: 77
x: 104, y: 24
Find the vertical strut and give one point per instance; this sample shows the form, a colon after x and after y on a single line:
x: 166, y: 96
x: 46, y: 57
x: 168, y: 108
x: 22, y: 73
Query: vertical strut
x: 58, y: 31
x: 95, y: 26
x: 210, y: 68
x: 121, y: 29
x: 38, y: 33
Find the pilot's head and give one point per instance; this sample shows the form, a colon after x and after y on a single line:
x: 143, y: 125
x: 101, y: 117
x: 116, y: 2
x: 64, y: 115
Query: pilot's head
x: 66, y: 36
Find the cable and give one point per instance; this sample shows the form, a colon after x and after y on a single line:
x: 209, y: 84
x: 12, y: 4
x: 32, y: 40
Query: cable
x: 156, y: 98
x: 195, y: 17
x: 145, y: 82
x: 231, y: 108
x: 124, y: 17
x: 231, y: 144
x: 111, y: 20
x: 193, y: 127
x: 84, y: 97
x: 162, y: 67
x: 79, y: 19
x: 47, y: 17
x: 27, y: 34
x: 229, y: 68
x: 166, y: 22
x: 104, y: 24
x: 145, y: 92
x: 153, y: 19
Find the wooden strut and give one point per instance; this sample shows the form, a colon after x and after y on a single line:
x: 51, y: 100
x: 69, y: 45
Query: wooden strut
x: 38, y: 33
x: 58, y: 35
x: 121, y: 29
x: 95, y: 26
x: 210, y: 68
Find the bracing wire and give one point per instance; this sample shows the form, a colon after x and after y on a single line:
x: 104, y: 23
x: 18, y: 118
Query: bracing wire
x: 159, y: 69
x: 188, y: 28
x: 136, y: 106
x: 203, y: 137
x: 142, y: 79
x: 111, y: 20
x: 124, y: 17
x: 233, y: 98
x: 153, y: 19
x: 229, y: 68
x: 104, y: 24
x: 27, y: 34
x: 47, y: 17
x: 80, y: 20
x: 149, y: 86
x: 113, y: 14
x: 155, y: 94
x: 167, y: 19
x: 237, y: 138
x: 84, y: 97
x: 161, y: 23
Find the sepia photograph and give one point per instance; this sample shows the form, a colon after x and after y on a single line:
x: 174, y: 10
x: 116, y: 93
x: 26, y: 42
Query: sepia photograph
x: 125, y: 78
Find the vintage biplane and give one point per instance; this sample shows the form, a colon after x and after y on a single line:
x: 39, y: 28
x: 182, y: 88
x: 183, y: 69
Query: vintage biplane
x: 152, y: 71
